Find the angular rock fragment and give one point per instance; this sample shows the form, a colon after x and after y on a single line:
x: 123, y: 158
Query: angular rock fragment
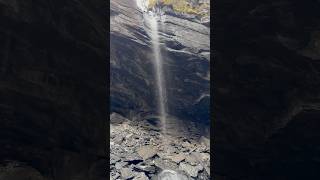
x: 126, y: 173
x: 191, y: 170
x: 177, y: 158
x: 115, y: 175
x: 114, y: 159
x: 165, y: 164
x: 147, y: 169
x: 147, y: 152
x: 141, y: 176
x: 119, y: 165
x: 191, y: 159
x: 118, y: 139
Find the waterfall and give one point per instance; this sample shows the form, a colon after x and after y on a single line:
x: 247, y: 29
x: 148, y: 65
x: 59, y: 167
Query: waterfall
x: 158, y: 68
x: 151, y: 18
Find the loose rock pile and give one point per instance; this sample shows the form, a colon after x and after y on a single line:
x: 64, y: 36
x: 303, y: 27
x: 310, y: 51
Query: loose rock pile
x: 139, y: 152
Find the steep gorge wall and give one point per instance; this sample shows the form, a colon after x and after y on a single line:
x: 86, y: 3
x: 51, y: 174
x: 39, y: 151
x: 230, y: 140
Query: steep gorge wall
x: 186, y: 64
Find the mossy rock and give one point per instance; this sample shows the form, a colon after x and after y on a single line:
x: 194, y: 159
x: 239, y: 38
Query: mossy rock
x: 183, y: 6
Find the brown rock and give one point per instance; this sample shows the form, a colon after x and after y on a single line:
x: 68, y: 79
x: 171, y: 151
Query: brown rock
x: 177, y: 158
x: 147, y: 152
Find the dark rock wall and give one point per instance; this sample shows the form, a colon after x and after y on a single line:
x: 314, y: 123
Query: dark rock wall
x: 53, y: 77
x: 186, y: 61
x: 266, y: 90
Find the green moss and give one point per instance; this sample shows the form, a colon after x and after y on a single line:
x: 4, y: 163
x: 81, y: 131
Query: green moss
x: 182, y: 6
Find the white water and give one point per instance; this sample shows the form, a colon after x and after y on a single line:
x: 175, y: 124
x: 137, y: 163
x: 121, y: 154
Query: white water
x: 158, y: 68
x: 151, y: 19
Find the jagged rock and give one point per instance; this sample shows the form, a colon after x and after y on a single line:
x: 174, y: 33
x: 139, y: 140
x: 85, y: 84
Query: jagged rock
x: 177, y: 158
x: 147, y: 152
x: 133, y: 158
x: 204, y: 156
x: 165, y: 159
x: 140, y: 176
x: 128, y: 136
x: 114, y: 175
x: 191, y: 159
x: 165, y: 164
x: 130, y: 143
x: 147, y: 169
x: 191, y: 170
x: 118, y: 139
x: 114, y: 159
x: 119, y: 165
x: 126, y: 173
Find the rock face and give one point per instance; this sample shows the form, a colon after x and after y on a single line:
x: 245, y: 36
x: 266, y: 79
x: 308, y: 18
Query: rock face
x: 266, y: 90
x: 185, y: 48
x: 53, y: 78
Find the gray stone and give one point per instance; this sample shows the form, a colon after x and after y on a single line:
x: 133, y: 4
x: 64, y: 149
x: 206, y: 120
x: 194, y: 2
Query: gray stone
x: 126, y: 173
x: 165, y: 164
x: 119, y: 165
x: 191, y: 170
x: 141, y: 176
x: 147, y: 168
x: 114, y: 175
x: 177, y: 158
x: 169, y: 174
x: 114, y: 159
x: 147, y: 152
x: 118, y: 139
x: 191, y: 159
x: 133, y: 158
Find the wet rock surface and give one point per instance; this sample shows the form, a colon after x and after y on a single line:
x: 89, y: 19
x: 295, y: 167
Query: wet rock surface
x: 185, y: 48
x: 144, y: 153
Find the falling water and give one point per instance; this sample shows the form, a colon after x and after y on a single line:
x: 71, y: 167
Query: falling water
x: 158, y: 68
x: 151, y: 19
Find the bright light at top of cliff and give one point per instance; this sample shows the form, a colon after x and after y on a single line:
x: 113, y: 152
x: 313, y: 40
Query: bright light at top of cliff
x: 143, y: 5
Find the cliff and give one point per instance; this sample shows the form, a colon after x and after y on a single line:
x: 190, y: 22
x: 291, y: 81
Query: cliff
x: 186, y: 52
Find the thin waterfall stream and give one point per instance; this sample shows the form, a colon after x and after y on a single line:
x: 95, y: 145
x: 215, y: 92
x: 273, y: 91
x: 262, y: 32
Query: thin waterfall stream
x: 159, y: 74
x: 152, y: 18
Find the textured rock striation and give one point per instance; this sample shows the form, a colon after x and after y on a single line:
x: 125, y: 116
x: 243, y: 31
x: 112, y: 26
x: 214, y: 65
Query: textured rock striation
x: 266, y: 90
x: 186, y: 51
x: 53, y: 78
